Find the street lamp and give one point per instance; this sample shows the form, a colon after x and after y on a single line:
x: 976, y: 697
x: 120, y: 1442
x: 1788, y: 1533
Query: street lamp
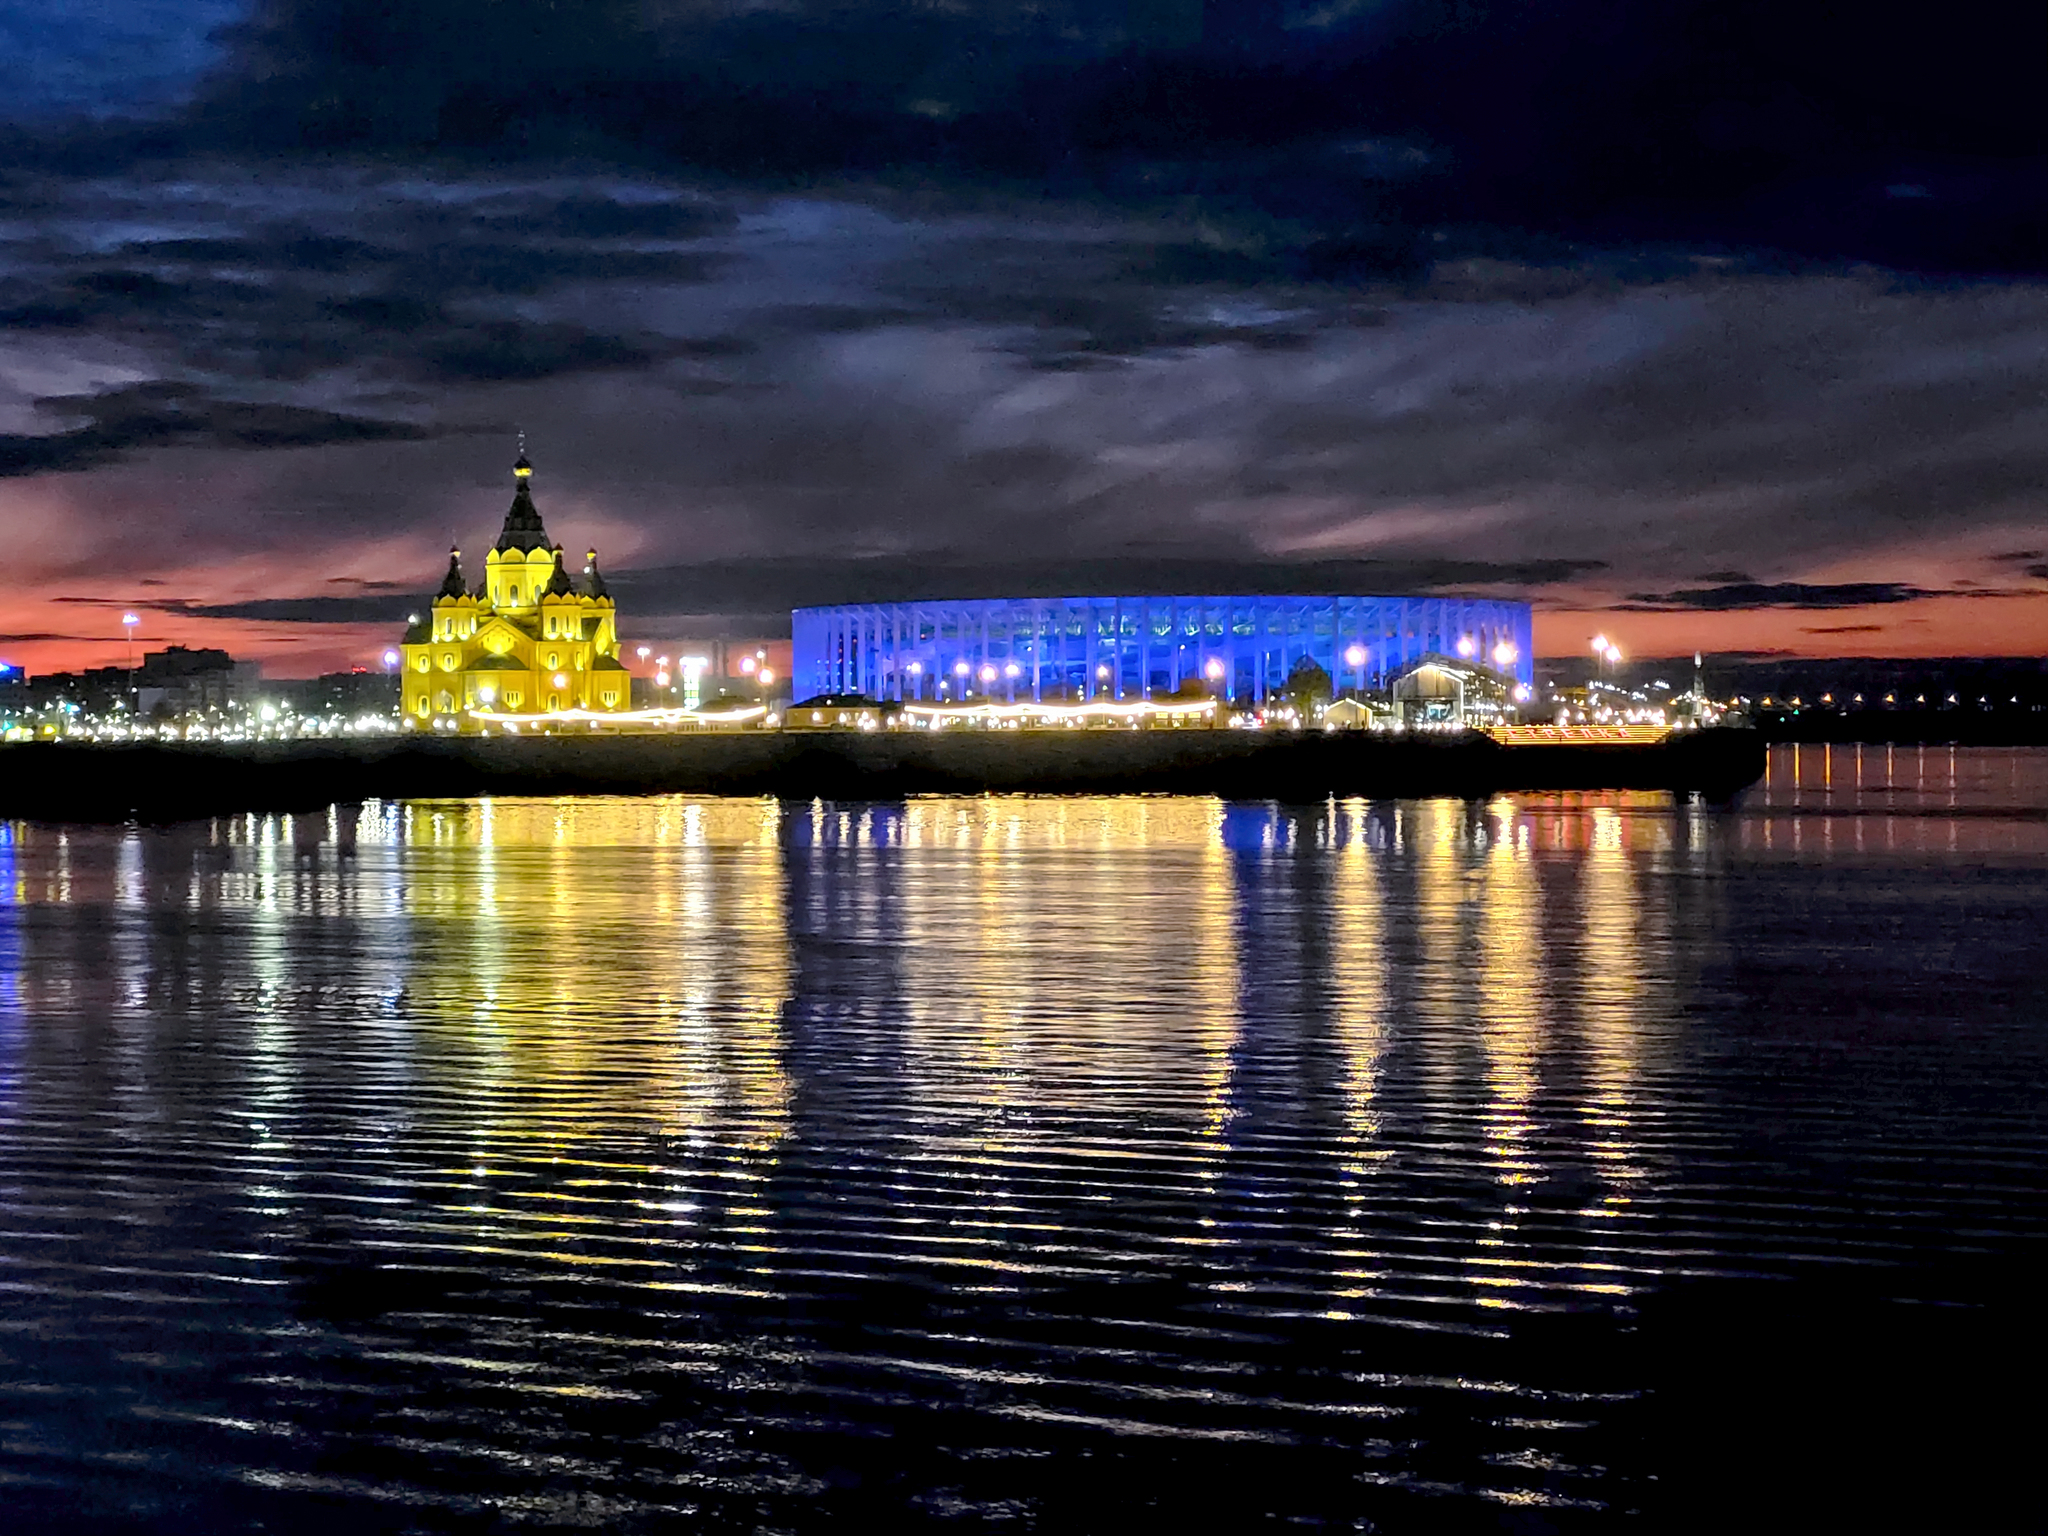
x: 128, y: 623
x: 1466, y: 646
x: 1505, y: 653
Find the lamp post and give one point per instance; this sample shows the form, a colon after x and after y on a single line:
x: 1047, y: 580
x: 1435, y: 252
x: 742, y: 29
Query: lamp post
x: 1354, y: 658
x: 128, y: 623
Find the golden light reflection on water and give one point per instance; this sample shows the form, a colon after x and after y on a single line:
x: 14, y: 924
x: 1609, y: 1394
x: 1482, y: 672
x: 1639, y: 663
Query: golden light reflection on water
x: 556, y: 929
x: 1359, y: 984
x: 1012, y: 976
x: 1611, y: 989
x: 1433, y: 834
x: 1514, y: 1024
x: 1035, y: 1001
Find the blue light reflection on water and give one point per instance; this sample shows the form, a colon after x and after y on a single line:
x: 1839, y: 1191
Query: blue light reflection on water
x: 1057, y: 1163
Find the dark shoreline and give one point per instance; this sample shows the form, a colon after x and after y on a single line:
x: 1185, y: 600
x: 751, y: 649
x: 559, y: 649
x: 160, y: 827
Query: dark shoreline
x: 53, y: 781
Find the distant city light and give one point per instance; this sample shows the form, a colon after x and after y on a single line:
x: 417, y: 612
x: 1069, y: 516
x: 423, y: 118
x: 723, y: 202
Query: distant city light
x: 1012, y: 670
x: 962, y: 668
x: 1214, y: 670
x: 391, y: 658
x: 988, y: 674
x: 917, y: 669
x: 1466, y: 645
x: 747, y: 664
x: 767, y: 677
x: 1355, y: 656
x: 130, y: 620
x: 1504, y: 654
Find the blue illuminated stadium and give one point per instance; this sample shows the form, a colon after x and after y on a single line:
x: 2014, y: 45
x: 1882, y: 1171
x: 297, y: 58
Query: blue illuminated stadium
x: 1129, y: 647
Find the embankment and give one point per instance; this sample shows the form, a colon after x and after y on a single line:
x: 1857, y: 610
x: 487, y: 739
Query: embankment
x: 165, y: 782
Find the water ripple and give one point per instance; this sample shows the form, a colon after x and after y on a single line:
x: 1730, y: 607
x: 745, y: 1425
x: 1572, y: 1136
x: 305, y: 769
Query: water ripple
x: 1057, y: 1164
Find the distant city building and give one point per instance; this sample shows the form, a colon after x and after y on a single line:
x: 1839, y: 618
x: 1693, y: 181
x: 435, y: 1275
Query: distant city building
x: 355, y: 692
x: 529, y: 640
x: 1079, y: 648
x: 178, y: 681
x: 170, y: 683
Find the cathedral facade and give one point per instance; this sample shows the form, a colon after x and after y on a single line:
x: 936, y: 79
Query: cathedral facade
x: 528, y: 640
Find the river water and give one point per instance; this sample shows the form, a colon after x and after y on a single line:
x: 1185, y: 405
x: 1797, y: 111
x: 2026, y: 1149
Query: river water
x: 1553, y: 1163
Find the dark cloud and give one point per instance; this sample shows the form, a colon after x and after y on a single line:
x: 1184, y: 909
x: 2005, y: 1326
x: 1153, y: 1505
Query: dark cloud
x: 305, y: 610
x: 1843, y: 629
x: 501, y: 350
x: 1743, y: 122
x: 1779, y: 594
x: 819, y: 301
x: 181, y: 415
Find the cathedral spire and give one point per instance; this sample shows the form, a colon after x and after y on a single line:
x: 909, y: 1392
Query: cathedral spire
x: 523, y: 530
x: 559, y: 584
x: 594, y: 578
x: 451, y: 584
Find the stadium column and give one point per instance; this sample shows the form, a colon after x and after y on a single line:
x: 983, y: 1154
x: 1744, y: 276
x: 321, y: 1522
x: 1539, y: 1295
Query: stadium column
x: 1094, y: 664
x: 1231, y: 660
x: 1145, y: 650
x: 1037, y: 649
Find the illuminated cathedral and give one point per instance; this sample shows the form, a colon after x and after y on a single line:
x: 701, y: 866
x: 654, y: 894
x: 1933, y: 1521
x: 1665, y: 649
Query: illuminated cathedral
x: 529, y: 641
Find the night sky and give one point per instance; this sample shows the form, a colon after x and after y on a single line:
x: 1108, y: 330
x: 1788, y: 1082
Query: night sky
x: 1705, y: 323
